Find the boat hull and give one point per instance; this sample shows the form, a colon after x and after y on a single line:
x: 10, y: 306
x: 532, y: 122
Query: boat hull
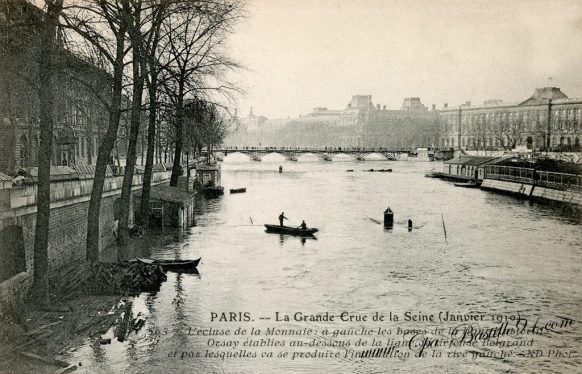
x: 276, y: 229
x: 213, y: 191
x: 238, y: 190
x: 467, y: 185
x: 173, y: 265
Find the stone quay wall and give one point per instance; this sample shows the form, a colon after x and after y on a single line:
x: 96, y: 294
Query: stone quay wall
x: 68, y: 226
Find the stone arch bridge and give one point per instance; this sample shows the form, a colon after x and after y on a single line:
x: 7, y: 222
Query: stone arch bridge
x: 323, y: 154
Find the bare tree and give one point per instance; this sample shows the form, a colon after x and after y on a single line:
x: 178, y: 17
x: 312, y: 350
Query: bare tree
x: 134, y: 9
x: 102, y: 25
x: 195, y: 39
x: 152, y: 58
x: 508, y: 132
x: 48, y: 41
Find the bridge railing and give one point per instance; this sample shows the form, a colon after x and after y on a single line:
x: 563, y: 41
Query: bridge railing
x: 550, y: 179
x: 309, y: 149
x: 561, y: 181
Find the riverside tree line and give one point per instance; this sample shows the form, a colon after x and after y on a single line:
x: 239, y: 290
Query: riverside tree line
x: 167, y: 80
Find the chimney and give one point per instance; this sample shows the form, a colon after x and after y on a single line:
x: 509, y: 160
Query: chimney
x: 378, y: 106
x: 433, y: 107
x: 446, y: 105
x: 467, y: 103
x: 384, y: 107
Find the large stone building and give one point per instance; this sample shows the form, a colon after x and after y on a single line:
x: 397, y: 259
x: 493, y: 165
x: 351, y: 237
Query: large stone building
x: 360, y: 124
x: 548, y: 120
x: 79, y: 115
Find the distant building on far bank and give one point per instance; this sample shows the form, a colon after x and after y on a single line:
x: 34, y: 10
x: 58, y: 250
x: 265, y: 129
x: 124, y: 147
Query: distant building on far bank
x: 548, y: 120
x: 360, y: 124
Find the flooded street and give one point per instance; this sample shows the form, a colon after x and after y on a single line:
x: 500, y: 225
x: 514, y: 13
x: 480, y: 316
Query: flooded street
x: 494, y: 259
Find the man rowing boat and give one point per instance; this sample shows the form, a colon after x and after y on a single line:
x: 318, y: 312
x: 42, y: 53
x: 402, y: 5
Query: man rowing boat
x: 281, y: 218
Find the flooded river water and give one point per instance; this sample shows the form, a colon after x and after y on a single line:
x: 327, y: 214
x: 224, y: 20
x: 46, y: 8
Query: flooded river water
x: 501, y: 256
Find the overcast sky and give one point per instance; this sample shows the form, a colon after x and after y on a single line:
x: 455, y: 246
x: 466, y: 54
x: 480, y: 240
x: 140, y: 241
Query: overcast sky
x: 307, y: 53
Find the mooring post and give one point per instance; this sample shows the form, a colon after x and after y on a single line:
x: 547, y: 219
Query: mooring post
x: 388, y: 218
x: 409, y: 225
x: 280, y: 169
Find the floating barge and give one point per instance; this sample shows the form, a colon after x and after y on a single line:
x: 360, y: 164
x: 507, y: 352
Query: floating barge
x: 208, y: 180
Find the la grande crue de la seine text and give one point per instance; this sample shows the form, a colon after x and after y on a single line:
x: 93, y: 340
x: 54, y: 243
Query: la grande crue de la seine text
x: 411, y: 316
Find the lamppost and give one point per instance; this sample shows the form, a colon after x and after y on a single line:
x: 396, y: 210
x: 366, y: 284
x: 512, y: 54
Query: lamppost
x: 187, y: 170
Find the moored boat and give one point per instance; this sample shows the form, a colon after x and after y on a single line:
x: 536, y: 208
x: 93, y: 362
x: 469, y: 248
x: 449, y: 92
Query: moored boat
x: 238, y: 190
x: 171, y: 265
x: 432, y: 174
x: 277, y: 229
x: 214, y: 191
x: 470, y: 184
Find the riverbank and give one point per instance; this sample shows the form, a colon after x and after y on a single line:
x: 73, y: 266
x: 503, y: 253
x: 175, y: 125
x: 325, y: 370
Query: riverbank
x: 88, y: 303
x: 36, y: 340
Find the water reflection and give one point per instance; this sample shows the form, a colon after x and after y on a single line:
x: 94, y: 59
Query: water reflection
x: 500, y: 255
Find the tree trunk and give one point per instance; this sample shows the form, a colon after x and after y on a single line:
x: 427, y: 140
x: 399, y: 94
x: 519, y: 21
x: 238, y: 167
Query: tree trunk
x: 148, y: 172
x: 41, y: 233
x: 105, y: 149
x: 179, y: 136
x: 131, y: 158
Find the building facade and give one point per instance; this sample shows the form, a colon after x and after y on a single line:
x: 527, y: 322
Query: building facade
x: 79, y: 115
x: 548, y: 120
x: 360, y: 124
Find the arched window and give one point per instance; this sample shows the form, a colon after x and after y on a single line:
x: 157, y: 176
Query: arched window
x: 23, y: 151
x: 34, y: 149
x: 56, y: 149
x: 11, y: 252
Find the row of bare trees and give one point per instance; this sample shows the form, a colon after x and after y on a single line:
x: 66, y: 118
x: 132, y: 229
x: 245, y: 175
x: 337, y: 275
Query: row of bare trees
x: 168, y: 69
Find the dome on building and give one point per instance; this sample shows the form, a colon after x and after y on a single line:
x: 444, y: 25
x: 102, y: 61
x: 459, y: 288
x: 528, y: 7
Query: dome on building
x: 542, y: 95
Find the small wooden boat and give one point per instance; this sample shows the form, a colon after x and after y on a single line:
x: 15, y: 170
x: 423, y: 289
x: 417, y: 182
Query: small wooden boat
x: 277, y: 229
x: 171, y: 265
x: 470, y: 184
x: 213, y: 191
x: 238, y: 190
x: 432, y: 174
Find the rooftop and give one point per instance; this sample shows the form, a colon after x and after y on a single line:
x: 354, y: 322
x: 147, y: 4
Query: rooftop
x: 173, y: 194
x: 544, y: 94
x: 470, y: 160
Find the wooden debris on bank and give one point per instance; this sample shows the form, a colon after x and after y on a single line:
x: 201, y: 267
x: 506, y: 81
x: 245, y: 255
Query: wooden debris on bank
x: 125, y: 325
x: 44, y: 359
x: 125, y: 278
x: 68, y: 369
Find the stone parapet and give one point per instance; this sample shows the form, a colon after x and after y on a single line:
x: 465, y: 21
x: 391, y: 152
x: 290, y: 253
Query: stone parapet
x: 20, y: 200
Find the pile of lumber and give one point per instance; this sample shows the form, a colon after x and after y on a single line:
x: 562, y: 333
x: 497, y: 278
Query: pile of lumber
x: 125, y: 278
